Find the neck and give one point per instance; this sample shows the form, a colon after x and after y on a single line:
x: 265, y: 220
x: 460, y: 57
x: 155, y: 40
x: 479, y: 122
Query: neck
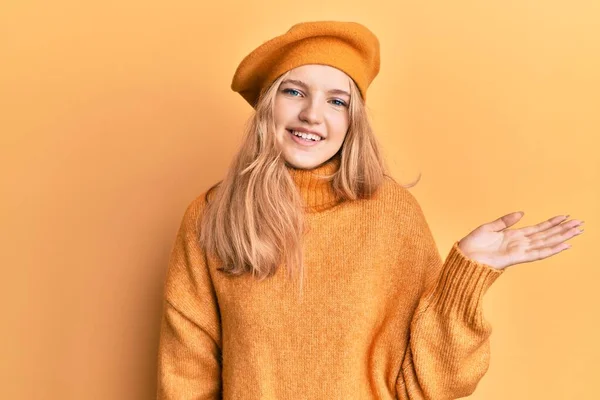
x: 317, y: 193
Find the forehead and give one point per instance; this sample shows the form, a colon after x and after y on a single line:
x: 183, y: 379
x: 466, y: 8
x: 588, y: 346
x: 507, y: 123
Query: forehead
x: 321, y: 76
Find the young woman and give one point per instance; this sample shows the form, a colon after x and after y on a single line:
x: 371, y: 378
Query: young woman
x: 308, y: 272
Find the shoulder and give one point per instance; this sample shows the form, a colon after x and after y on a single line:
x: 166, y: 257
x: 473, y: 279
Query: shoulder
x: 397, y: 196
x: 195, y: 208
x: 397, y: 203
x: 413, y: 224
x: 199, y: 203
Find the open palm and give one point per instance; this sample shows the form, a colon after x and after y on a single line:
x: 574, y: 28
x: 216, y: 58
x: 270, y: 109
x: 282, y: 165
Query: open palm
x: 495, y: 245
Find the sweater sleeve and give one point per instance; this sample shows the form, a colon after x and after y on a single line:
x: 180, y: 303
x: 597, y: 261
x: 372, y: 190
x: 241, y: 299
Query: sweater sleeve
x: 189, y: 353
x: 448, y: 350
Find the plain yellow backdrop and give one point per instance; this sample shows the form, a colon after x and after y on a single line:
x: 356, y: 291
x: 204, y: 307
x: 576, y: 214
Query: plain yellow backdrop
x: 114, y: 115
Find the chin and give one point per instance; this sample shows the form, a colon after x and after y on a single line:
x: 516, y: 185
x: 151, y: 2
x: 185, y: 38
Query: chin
x: 302, y: 163
x: 297, y: 165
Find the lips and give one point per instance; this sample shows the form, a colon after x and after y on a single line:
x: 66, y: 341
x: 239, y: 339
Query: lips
x: 306, y: 131
x: 303, y: 142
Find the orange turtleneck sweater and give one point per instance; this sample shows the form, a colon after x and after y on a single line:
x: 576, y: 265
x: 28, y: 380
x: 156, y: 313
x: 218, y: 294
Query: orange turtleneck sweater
x: 382, y: 316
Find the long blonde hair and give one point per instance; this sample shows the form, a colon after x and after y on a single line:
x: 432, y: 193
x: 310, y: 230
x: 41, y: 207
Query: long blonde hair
x: 254, y: 222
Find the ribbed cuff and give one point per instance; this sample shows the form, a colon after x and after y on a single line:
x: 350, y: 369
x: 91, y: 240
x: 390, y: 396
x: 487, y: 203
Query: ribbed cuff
x: 461, y: 286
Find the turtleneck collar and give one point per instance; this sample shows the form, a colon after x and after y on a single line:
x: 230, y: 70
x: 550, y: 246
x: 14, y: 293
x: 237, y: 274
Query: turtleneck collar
x: 317, y: 193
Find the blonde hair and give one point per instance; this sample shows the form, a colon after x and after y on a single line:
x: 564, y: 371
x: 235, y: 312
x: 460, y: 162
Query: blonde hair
x: 255, y: 220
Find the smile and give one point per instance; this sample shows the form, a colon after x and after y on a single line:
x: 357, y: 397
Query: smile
x: 307, y: 141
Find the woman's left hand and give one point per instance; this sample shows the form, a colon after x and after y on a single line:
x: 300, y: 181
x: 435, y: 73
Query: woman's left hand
x: 494, y: 245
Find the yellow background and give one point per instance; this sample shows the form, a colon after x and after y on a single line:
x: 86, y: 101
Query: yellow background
x: 114, y: 115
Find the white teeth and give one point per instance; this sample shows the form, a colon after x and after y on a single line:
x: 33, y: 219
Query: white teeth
x: 308, y: 136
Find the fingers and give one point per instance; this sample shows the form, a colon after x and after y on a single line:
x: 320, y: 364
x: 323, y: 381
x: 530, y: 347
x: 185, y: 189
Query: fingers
x: 556, y: 229
x: 545, y: 252
x: 561, y: 234
x: 549, y: 237
x: 548, y: 227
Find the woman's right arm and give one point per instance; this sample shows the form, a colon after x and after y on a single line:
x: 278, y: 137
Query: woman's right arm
x: 189, y: 353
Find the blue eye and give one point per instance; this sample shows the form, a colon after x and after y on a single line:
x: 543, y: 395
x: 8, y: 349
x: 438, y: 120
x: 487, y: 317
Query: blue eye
x: 290, y: 90
x: 295, y: 93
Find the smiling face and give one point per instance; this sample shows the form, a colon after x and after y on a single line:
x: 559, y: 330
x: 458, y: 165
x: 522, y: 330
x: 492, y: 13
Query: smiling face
x: 313, y: 98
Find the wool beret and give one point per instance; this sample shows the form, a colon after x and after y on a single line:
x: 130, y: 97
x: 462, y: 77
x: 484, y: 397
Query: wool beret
x: 347, y: 46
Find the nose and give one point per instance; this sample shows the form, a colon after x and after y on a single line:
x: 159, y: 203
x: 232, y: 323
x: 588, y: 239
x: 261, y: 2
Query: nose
x: 312, y: 112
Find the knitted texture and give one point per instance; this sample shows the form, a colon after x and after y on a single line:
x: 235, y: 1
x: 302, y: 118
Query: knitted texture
x: 347, y: 46
x: 382, y: 316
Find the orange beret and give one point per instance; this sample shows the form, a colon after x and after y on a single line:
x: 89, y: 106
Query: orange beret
x: 347, y: 46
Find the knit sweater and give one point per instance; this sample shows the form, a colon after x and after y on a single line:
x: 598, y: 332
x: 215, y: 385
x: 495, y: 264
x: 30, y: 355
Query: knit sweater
x: 381, y: 316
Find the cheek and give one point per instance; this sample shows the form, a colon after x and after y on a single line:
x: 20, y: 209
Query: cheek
x: 341, y: 126
x: 281, y: 113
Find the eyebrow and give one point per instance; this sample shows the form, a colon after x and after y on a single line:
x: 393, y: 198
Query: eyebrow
x: 304, y: 85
